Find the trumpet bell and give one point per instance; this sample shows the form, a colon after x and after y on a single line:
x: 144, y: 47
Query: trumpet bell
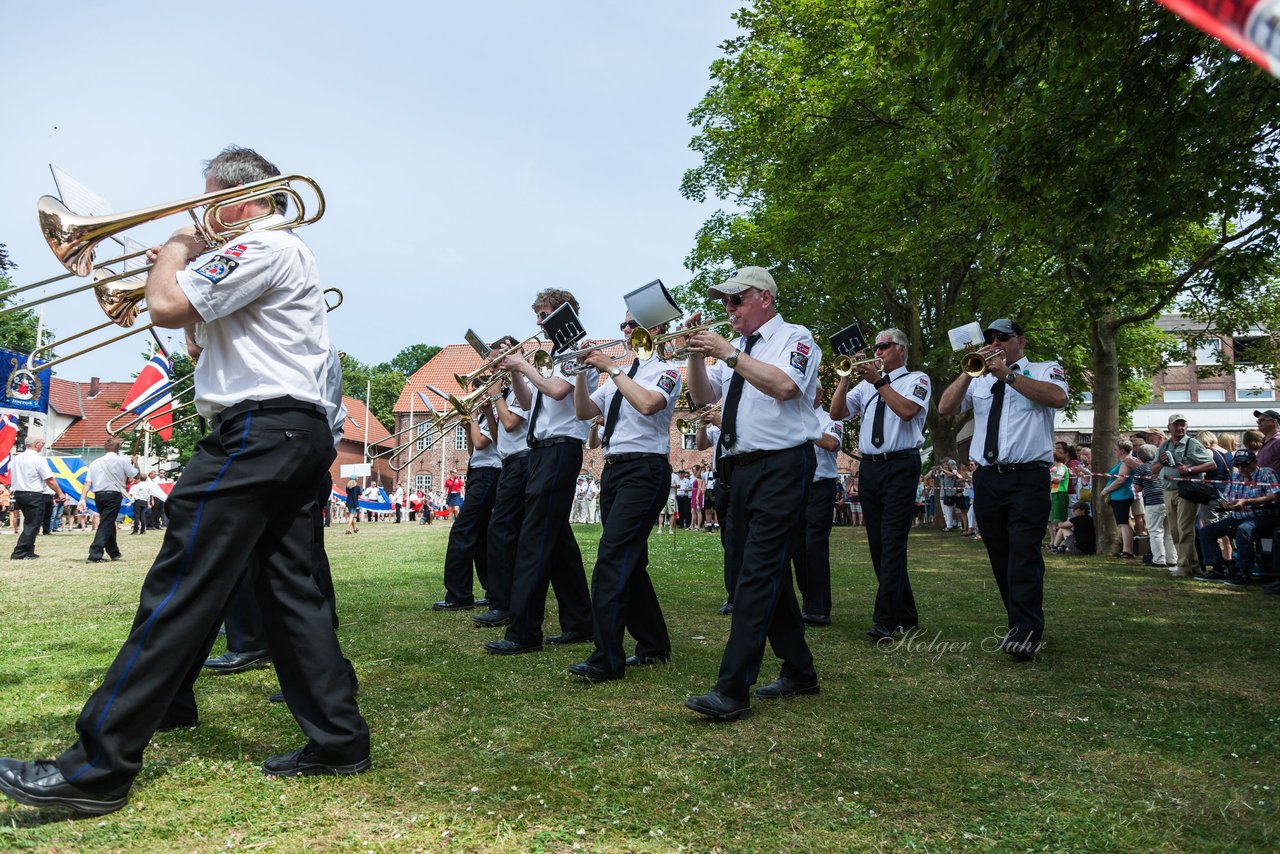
x: 844, y: 365
x: 973, y: 364
x: 642, y: 343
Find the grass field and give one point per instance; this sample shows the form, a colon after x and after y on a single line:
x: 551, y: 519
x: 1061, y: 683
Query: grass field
x: 1149, y: 721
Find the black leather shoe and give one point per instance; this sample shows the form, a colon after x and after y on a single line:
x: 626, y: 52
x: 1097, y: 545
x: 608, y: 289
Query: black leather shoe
x: 237, y: 662
x: 570, y: 637
x: 451, y: 606
x: 482, y: 603
x: 647, y: 660
x: 592, y: 673
x: 726, y: 609
x: 785, y: 686
x: 277, y: 697
x: 41, y: 784
x: 713, y: 704
x: 26, y: 557
x: 491, y: 619
x: 879, y: 633
x: 816, y: 619
x: 95, y: 560
x: 510, y: 647
x: 168, y: 725
x: 116, y: 557
x: 1021, y: 650
x: 304, y: 763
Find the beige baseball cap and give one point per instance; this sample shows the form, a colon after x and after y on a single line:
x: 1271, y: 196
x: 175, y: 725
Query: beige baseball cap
x: 743, y: 279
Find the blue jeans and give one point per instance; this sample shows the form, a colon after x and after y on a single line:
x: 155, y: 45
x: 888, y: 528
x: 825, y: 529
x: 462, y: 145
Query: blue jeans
x: 1242, y: 531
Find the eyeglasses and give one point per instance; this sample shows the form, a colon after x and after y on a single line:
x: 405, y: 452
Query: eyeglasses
x: 991, y: 335
x: 884, y: 345
x: 735, y: 300
x: 628, y: 324
x: 543, y: 315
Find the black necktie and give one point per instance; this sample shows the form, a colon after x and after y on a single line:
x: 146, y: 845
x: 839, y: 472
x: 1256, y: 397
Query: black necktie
x: 992, y: 445
x: 533, y: 419
x: 877, y: 421
x: 611, y: 420
x: 729, y: 417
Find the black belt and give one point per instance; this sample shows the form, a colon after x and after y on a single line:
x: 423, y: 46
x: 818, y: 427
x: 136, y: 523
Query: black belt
x: 1003, y: 467
x: 893, y: 455
x: 272, y: 403
x: 554, y: 440
x: 519, y: 455
x: 626, y: 458
x: 754, y: 456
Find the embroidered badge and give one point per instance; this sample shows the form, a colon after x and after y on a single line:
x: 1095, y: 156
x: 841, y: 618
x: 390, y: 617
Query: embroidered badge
x: 667, y: 383
x: 237, y: 250
x: 802, y: 348
x: 799, y: 361
x: 218, y: 268
x: 675, y: 375
x: 919, y: 391
x: 837, y: 427
x: 1057, y: 373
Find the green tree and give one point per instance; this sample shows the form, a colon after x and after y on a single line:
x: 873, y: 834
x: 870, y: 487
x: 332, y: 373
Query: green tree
x: 17, y: 328
x: 409, y: 360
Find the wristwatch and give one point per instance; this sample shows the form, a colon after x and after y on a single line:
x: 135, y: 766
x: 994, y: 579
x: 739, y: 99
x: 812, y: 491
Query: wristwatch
x: 882, y: 382
x: 614, y: 371
x: 732, y: 361
x: 1013, y: 375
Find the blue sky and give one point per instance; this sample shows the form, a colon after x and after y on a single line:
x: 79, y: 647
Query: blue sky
x: 470, y: 155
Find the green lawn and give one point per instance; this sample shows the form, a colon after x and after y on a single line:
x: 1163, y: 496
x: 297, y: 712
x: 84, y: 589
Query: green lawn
x: 1149, y: 721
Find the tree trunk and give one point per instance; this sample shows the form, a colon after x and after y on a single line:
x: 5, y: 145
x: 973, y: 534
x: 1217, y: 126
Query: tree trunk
x: 1106, y: 417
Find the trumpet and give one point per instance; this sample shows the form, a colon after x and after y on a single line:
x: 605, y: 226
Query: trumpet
x: 546, y: 362
x: 646, y: 345
x: 844, y: 365
x: 691, y: 424
x: 974, y: 363
x: 465, y: 380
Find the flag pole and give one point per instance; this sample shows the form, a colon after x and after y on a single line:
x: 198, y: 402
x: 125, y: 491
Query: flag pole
x: 368, y: 413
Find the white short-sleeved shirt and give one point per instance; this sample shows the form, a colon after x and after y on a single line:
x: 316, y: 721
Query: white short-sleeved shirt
x: 826, y: 468
x: 899, y: 434
x: 140, y: 491
x: 1026, y: 427
x: 559, y: 418
x: 487, y: 457
x: 713, y: 436
x: 763, y: 423
x: 110, y: 472
x: 265, y: 333
x: 636, y: 433
x: 513, y: 441
x: 29, y: 471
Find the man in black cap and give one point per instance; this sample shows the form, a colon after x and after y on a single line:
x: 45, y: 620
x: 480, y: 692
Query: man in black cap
x: 1013, y: 407
x: 1269, y: 426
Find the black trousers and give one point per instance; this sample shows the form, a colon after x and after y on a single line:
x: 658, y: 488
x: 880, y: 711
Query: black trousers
x: 887, y: 490
x: 104, y: 539
x: 1012, y: 511
x: 32, y: 505
x: 811, y: 555
x: 504, y: 529
x: 246, y: 629
x: 632, y: 493
x: 249, y: 490
x: 140, y: 517
x: 765, y: 493
x: 684, y: 508
x: 732, y: 549
x: 548, y: 552
x: 469, y: 537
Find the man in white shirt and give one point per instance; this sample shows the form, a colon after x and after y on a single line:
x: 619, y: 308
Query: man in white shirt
x: 1013, y: 407
x: 33, y: 485
x: 107, y: 478
x: 248, y: 489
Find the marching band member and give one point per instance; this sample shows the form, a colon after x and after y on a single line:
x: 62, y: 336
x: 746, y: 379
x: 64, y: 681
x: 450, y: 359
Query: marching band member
x: 548, y: 551
x: 768, y: 425
x: 811, y: 556
x: 1013, y: 407
x: 468, y: 537
x: 892, y: 402
x: 708, y: 436
x: 637, y: 405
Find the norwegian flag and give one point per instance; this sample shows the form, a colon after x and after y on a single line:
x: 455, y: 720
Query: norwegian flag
x: 8, y: 435
x: 150, y: 396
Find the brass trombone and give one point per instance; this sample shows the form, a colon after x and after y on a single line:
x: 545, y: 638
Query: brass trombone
x: 74, y: 238
x: 441, y: 424
x: 646, y: 345
x: 143, y: 421
x: 465, y: 380
x: 546, y: 362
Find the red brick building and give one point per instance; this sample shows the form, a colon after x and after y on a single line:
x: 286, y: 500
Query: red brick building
x: 351, y: 447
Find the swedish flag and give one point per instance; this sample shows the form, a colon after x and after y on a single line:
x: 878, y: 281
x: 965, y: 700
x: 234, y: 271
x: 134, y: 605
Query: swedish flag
x: 71, y: 474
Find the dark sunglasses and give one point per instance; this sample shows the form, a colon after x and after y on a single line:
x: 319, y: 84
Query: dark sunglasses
x: 990, y: 336
x: 884, y: 345
x: 543, y: 315
x: 628, y: 324
x: 734, y: 300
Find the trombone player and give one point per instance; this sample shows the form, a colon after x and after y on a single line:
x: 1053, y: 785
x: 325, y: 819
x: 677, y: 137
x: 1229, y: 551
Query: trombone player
x: 637, y: 405
x: 250, y: 486
x: 892, y: 402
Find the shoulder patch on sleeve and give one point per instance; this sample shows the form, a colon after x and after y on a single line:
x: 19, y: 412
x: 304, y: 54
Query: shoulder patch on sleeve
x: 837, y: 427
x: 802, y: 348
x: 217, y: 268
x: 799, y: 361
x: 667, y: 383
x: 919, y: 392
x: 236, y: 251
x: 1057, y: 373
x: 675, y: 375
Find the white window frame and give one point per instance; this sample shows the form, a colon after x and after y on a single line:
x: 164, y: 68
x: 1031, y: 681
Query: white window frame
x: 1211, y: 395
x: 1176, y: 395
x: 460, y: 438
x: 423, y: 482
